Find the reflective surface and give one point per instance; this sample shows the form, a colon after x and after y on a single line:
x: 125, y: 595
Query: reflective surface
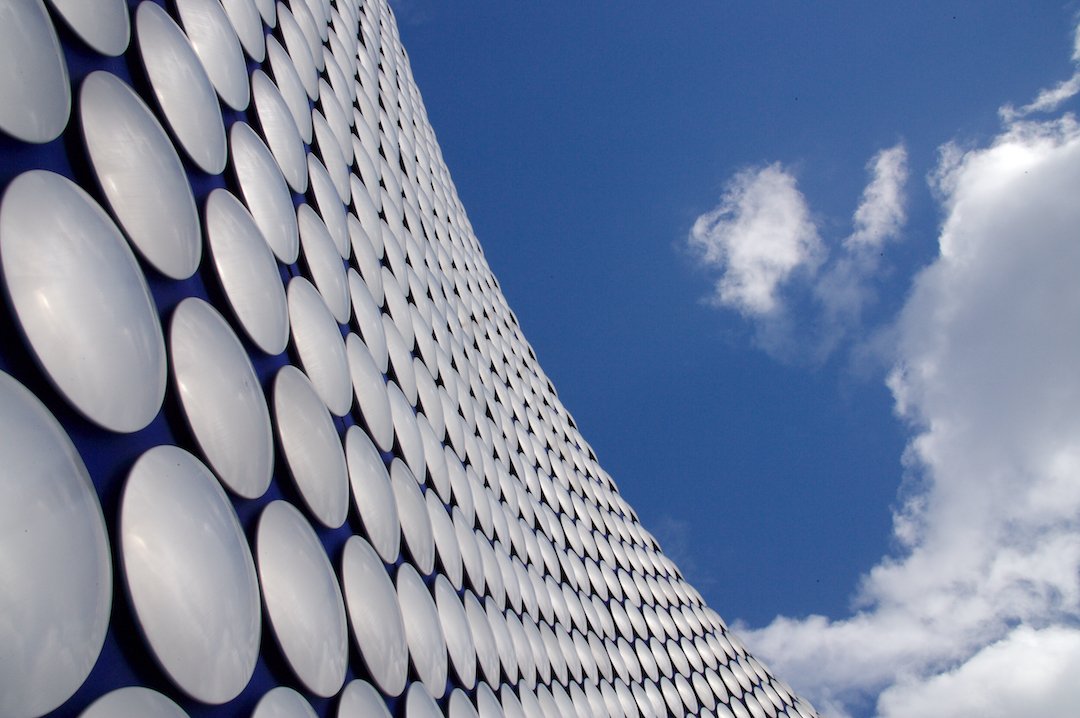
x: 323, y: 262
x: 456, y: 631
x: 522, y: 561
x: 320, y: 346
x: 369, y: 385
x: 212, y: 36
x: 292, y: 90
x: 35, y: 98
x: 302, y: 598
x: 133, y: 701
x: 279, y: 131
x: 360, y: 700
x: 412, y: 511
x: 57, y: 568
x: 311, y: 446
x: 446, y: 544
x: 101, y: 24
x: 460, y: 706
x: 299, y: 51
x: 265, y: 192
x: 189, y: 574
x: 331, y: 209
x: 283, y: 702
x: 423, y: 631
x: 378, y: 627
x: 140, y: 174
x: 367, y: 313
x: 221, y: 397
x: 181, y: 87
x: 82, y: 301
x: 247, y: 24
x: 247, y: 271
x: 372, y: 494
x: 420, y: 704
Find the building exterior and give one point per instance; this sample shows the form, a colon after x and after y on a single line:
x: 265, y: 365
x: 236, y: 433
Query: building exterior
x: 271, y: 441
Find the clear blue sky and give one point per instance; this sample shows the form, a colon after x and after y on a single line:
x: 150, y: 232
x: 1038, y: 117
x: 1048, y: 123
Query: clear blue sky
x: 585, y: 139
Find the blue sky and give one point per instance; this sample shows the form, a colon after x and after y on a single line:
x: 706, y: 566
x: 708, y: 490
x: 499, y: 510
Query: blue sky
x: 807, y: 285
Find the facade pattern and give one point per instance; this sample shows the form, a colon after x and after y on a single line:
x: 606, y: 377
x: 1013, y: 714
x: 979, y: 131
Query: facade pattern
x: 272, y: 443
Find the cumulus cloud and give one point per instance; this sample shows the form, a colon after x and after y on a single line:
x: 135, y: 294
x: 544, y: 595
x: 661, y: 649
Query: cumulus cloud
x: 759, y: 236
x: 988, y: 525
x: 764, y: 242
x: 1030, y: 672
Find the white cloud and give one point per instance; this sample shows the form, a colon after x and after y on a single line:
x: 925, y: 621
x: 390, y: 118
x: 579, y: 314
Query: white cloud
x: 880, y: 215
x: 763, y: 240
x: 759, y: 235
x: 1030, y: 672
x: 986, y: 375
x: 1050, y: 98
x: 845, y: 287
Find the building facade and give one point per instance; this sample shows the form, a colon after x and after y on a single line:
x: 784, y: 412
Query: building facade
x: 272, y: 443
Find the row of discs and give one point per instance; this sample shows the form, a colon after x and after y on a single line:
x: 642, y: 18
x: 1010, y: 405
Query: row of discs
x: 239, y: 262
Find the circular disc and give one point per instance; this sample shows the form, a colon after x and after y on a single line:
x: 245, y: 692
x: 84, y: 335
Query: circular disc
x: 265, y: 192
x: 279, y: 131
x: 101, y: 24
x: 182, y: 88
x: 141, y: 175
x: 460, y: 706
x: 302, y: 598
x: 333, y: 159
x: 35, y: 98
x: 311, y: 446
x: 217, y: 47
x: 133, y: 701
x: 378, y: 626
x: 323, y: 262
x: 247, y: 24
x: 420, y: 704
x: 368, y: 314
x: 406, y: 431
x: 58, y: 589
x: 283, y: 702
x: 268, y: 11
x: 320, y: 346
x: 331, y: 207
x: 455, y: 625
x: 248, y: 272
x: 372, y: 494
x: 487, y: 652
x: 369, y: 385
x: 299, y: 51
x: 189, y: 574
x: 221, y: 398
x: 360, y: 700
x: 288, y: 83
x: 487, y: 705
x: 423, y: 631
x: 446, y: 543
x: 503, y: 640
x: 412, y: 511
x: 82, y: 301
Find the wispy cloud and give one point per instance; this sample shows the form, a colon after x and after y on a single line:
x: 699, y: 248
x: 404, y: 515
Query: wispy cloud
x: 1050, y: 98
x: 978, y: 612
x: 880, y: 215
x: 847, y: 284
x: 765, y: 244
